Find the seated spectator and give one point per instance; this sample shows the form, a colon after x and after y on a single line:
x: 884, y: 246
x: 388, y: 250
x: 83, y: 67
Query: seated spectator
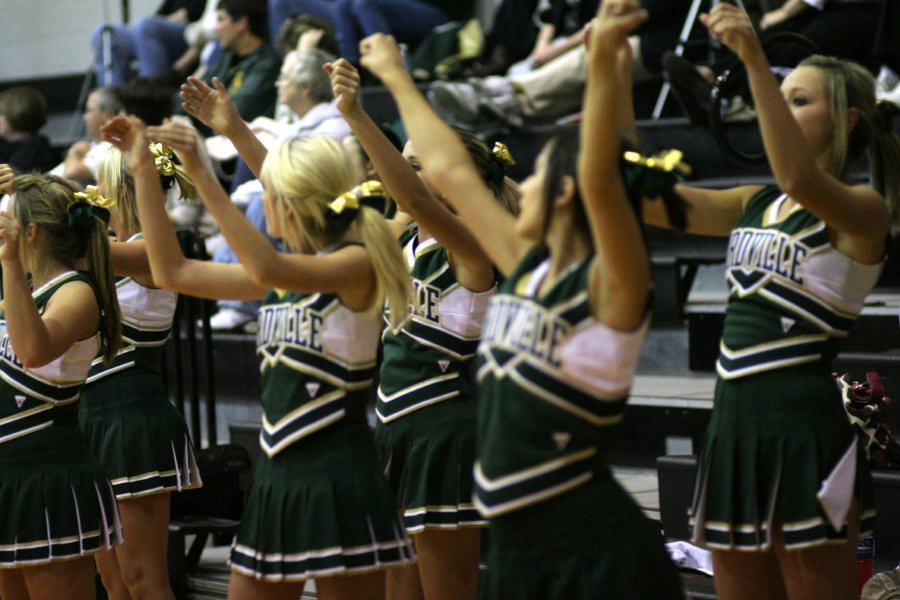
x: 509, y: 39
x: 83, y: 156
x: 306, y: 90
x: 555, y: 89
x: 156, y: 42
x: 561, y: 29
x: 23, y: 111
x: 409, y: 21
x: 249, y: 66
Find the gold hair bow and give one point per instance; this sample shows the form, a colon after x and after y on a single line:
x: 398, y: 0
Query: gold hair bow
x: 92, y: 196
x: 501, y: 151
x: 667, y: 160
x: 163, y: 159
x: 347, y: 200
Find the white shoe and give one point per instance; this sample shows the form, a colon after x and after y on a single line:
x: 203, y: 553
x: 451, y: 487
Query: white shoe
x: 229, y: 319
x: 890, y: 95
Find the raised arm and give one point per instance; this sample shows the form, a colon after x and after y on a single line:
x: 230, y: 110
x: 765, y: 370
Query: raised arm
x: 71, y: 315
x: 213, y: 107
x: 445, y: 158
x: 347, y: 272
x: 620, y: 283
x: 472, y: 267
x: 801, y: 162
x: 169, y: 267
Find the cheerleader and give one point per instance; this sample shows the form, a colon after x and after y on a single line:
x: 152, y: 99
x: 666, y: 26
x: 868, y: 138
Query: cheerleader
x: 59, y: 309
x: 560, y: 342
x: 425, y: 432
x: 130, y: 425
x: 782, y: 491
x: 319, y: 506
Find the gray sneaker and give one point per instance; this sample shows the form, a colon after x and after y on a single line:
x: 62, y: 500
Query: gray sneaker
x: 457, y: 102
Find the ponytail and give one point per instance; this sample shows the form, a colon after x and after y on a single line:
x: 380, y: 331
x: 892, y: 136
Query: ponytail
x: 99, y: 267
x: 391, y: 274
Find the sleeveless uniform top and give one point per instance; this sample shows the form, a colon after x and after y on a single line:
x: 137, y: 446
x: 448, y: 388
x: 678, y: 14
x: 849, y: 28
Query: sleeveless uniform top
x: 426, y: 361
x: 553, y: 384
x: 792, y: 295
x: 147, y: 315
x: 34, y: 399
x: 317, y: 361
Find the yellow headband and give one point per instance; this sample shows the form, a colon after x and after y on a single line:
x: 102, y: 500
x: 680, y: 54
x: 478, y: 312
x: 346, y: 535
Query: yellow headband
x: 667, y: 160
x: 92, y: 196
x: 163, y: 159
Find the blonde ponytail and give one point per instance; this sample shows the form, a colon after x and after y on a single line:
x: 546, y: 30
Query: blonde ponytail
x: 391, y: 274
x: 100, y: 268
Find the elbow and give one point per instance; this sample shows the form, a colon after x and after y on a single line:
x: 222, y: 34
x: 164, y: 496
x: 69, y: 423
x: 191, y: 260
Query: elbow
x: 262, y: 273
x: 33, y: 359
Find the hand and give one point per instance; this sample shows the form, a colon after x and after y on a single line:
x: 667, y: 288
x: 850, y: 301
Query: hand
x: 381, y: 55
x: 211, y: 106
x: 78, y: 150
x: 129, y: 135
x: 6, y: 178
x: 608, y: 32
x: 9, y: 237
x: 309, y: 39
x: 184, y: 140
x: 344, y: 84
x: 731, y: 24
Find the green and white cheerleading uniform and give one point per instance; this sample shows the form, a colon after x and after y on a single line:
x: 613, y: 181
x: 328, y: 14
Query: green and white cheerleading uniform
x: 55, y: 500
x: 553, y: 387
x: 426, y: 415
x: 779, y: 439
x: 132, y: 428
x: 319, y: 503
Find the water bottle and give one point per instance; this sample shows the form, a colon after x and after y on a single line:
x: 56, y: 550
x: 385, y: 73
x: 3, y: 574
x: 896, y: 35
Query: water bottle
x: 865, y: 553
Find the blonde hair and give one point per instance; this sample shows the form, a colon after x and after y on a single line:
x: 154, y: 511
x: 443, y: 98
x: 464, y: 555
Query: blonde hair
x: 305, y: 175
x: 44, y: 200
x: 848, y: 85
x: 118, y: 181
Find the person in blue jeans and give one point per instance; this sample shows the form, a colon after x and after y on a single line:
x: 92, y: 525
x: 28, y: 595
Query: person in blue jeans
x: 280, y: 10
x: 156, y: 42
x: 409, y: 21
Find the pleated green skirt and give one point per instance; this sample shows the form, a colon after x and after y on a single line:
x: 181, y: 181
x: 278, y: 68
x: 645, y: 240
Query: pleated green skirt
x: 592, y: 543
x: 428, y: 457
x: 773, y: 439
x: 56, y: 503
x: 320, y: 507
x: 138, y: 436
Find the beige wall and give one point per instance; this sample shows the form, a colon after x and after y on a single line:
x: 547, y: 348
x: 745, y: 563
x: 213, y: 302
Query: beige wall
x: 47, y: 38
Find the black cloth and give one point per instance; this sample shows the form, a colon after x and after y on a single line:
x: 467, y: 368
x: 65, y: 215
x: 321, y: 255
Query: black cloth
x: 660, y: 31
x: 569, y: 16
x: 512, y: 29
x: 194, y: 8
x: 457, y: 10
x: 28, y: 154
x: 887, y: 39
x: 842, y: 29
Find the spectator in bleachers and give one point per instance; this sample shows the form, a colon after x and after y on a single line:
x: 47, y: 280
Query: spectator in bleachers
x: 561, y: 29
x: 783, y: 488
x: 305, y: 88
x: 83, y: 156
x: 555, y: 88
x: 23, y: 111
x: 156, y: 42
x: 281, y: 10
x: 249, y: 66
x: 409, y: 21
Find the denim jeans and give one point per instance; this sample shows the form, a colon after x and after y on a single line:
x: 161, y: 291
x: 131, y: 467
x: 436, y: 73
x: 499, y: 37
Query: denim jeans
x: 156, y: 43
